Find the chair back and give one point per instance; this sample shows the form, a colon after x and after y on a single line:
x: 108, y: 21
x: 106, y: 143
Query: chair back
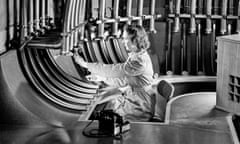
x: 165, y: 89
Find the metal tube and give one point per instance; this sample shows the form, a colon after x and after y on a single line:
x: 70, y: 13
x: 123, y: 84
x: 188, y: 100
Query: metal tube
x: 238, y: 20
x: 140, y: 12
x: 170, y: 5
x: 31, y: 17
x: 82, y: 29
x: 16, y: 22
x: 37, y: 15
x: 129, y: 11
x: 50, y: 13
x: 224, y: 15
x: 199, y: 49
x: 101, y: 17
x: 192, y: 20
x: 176, y: 26
x: 24, y: 18
x: 231, y: 7
x: 216, y: 7
x: 77, y: 22
x: 43, y: 15
x: 66, y: 27
x: 115, y: 16
x: 168, y: 48
x: 72, y: 26
x: 152, y: 13
x: 208, y: 20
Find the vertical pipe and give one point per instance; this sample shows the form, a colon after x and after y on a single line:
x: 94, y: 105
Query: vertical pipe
x: 176, y: 27
x: 224, y: 17
x: 72, y: 26
x: 50, y: 13
x: 168, y: 49
x: 129, y: 11
x: 192, y: 19
x: 184, y: 49
x: 83, y: 10
x: 213, y: 48
x: 207, y: 41
x: 24, y: 19
x: 191, y: 42
x: 200, y: 7
x: 213, y: 38
x: 176, y: 42
x: 170, y: 5
x: 231, y: 7
x: 208, y: 20
x: 216, y: 7
x: 43, y: 15
x: 199, y: 49
x: 238, y: 20
x: 115, y: 16
x: 77, y: 22
x: 17, y: 16
x: 140, y: 12
x: 31, y: 16
x: 37, y: 15
x: 230, y: 11
x: 66, y: 27
x: 101, y: 18
x: 152, y: 20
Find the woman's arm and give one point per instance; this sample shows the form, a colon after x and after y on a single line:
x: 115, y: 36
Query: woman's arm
x: 131, y: 67
x: 106, y: 70
x: 111, y: 81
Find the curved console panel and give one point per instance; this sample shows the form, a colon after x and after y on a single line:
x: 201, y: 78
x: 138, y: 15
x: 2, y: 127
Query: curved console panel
x: 24, y: 101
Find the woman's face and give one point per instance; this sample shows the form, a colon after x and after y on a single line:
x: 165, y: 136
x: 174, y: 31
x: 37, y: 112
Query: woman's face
x: 130, y: 47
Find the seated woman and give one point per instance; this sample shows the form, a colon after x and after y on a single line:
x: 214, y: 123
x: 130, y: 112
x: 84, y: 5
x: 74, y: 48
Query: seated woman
x: 136, y: 104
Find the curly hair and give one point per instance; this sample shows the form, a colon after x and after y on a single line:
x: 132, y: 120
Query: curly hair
x: 138, y: 36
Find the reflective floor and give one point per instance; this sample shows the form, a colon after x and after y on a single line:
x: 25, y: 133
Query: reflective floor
x: 192, y: 120
x: 139, y: 134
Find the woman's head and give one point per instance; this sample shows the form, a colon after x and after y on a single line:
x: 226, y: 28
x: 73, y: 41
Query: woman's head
x: 135, y: 38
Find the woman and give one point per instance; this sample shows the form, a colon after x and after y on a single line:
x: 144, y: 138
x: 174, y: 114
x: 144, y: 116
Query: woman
x: 137, y: 73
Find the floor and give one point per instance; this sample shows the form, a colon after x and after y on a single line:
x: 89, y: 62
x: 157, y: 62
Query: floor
x: 192, y: 119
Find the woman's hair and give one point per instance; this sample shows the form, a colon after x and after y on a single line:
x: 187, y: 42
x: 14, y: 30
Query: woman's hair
x: 138, y: 36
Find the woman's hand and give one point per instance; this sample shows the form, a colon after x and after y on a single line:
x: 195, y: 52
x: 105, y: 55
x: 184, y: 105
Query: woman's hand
x: 95, y: 78
x: 79, y: 60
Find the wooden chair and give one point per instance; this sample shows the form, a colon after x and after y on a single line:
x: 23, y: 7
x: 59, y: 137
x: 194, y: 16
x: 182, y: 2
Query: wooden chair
x: 164, y: 92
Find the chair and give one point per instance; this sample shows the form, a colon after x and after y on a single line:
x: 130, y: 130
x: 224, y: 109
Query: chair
x: 165, y: 91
